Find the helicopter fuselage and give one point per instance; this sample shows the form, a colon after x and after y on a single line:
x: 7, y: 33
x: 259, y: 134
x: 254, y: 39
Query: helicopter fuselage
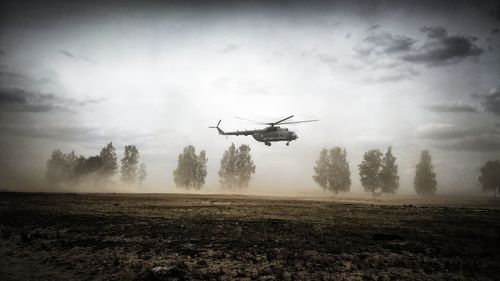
x: 274, y: 134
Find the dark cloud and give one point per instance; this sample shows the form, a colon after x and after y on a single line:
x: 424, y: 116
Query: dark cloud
x: 385, y: 44
x: 495, y: 31
x: 7, y: 75
x: 20, y: 80
x: 483, y: 143
x: 20, y: 100
x: 455, y: 107
x: 490, y: 101
x: 444, y: 132
x: 496, y: 13
x: 11, y: 97
x: 442, y: 49
x: 435, y: 32
x: 68, y: 54
x: 80, y: 57
x: 454, y: 138
x: 373, y: 27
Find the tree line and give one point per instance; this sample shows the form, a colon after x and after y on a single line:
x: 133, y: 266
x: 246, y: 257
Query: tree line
x: 378, y: 172
x: 68, y: 168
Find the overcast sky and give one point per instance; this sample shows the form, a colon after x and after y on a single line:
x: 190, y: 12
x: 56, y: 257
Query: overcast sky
x: 411, y: 75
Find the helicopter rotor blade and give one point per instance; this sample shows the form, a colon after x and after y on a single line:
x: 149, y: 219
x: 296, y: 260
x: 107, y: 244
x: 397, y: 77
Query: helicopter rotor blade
x: 253, y: 121
x: 278, y: 122
x: 303, y: 121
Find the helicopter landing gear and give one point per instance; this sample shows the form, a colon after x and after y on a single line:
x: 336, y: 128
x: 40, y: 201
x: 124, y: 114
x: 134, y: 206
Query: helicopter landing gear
x: 267, y: 143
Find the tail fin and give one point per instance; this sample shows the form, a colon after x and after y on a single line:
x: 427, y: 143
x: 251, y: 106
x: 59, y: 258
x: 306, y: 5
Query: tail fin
x: 221, y: 132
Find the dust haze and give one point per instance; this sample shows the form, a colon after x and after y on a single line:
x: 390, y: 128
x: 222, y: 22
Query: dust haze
x: 413, y: 76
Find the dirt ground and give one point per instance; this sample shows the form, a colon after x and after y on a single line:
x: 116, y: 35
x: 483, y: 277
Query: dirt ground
x: 210, y: 237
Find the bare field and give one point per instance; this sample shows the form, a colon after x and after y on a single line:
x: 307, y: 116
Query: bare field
x: 211, y: 237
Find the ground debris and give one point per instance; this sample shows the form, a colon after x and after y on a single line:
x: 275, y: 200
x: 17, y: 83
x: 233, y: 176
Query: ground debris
x: 120, y: 237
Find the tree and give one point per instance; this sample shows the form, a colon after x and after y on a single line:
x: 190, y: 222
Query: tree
x: 129, y: 164
x: 490, y: 176
x: 379, y: 174
x: 236, y: 167
x: 108, y: 158
x: 60, y: 167
x: 141, y: 174
x: 332, y: 170
x: 425, y: 179
x: 191, y: 168
x: 88, y: 166
x: 388, y: 174
x: 369, y: 171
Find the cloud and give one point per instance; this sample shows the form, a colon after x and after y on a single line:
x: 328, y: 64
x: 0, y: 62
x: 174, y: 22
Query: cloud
x: 11, y: 97
x: 373, y: 27
x: 380, y: 54
x: 80, y: 57
x: 453, y: 107
x: 384, y: 44
x: 453, y: 138
x: 9, y: 78
x: 21, y: 100
x: 228, y: 49
x: 68, y: 54
x: 496, y: 13
x: 483, y: 143
x: 437, y: 131
x: 441, y: 48
x: 490, y: 101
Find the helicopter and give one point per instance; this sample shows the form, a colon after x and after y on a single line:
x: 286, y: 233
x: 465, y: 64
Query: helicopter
x: 271, y: 133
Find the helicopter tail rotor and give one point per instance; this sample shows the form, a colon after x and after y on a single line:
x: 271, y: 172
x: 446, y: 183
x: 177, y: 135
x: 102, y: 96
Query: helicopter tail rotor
x: 221, y: 132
